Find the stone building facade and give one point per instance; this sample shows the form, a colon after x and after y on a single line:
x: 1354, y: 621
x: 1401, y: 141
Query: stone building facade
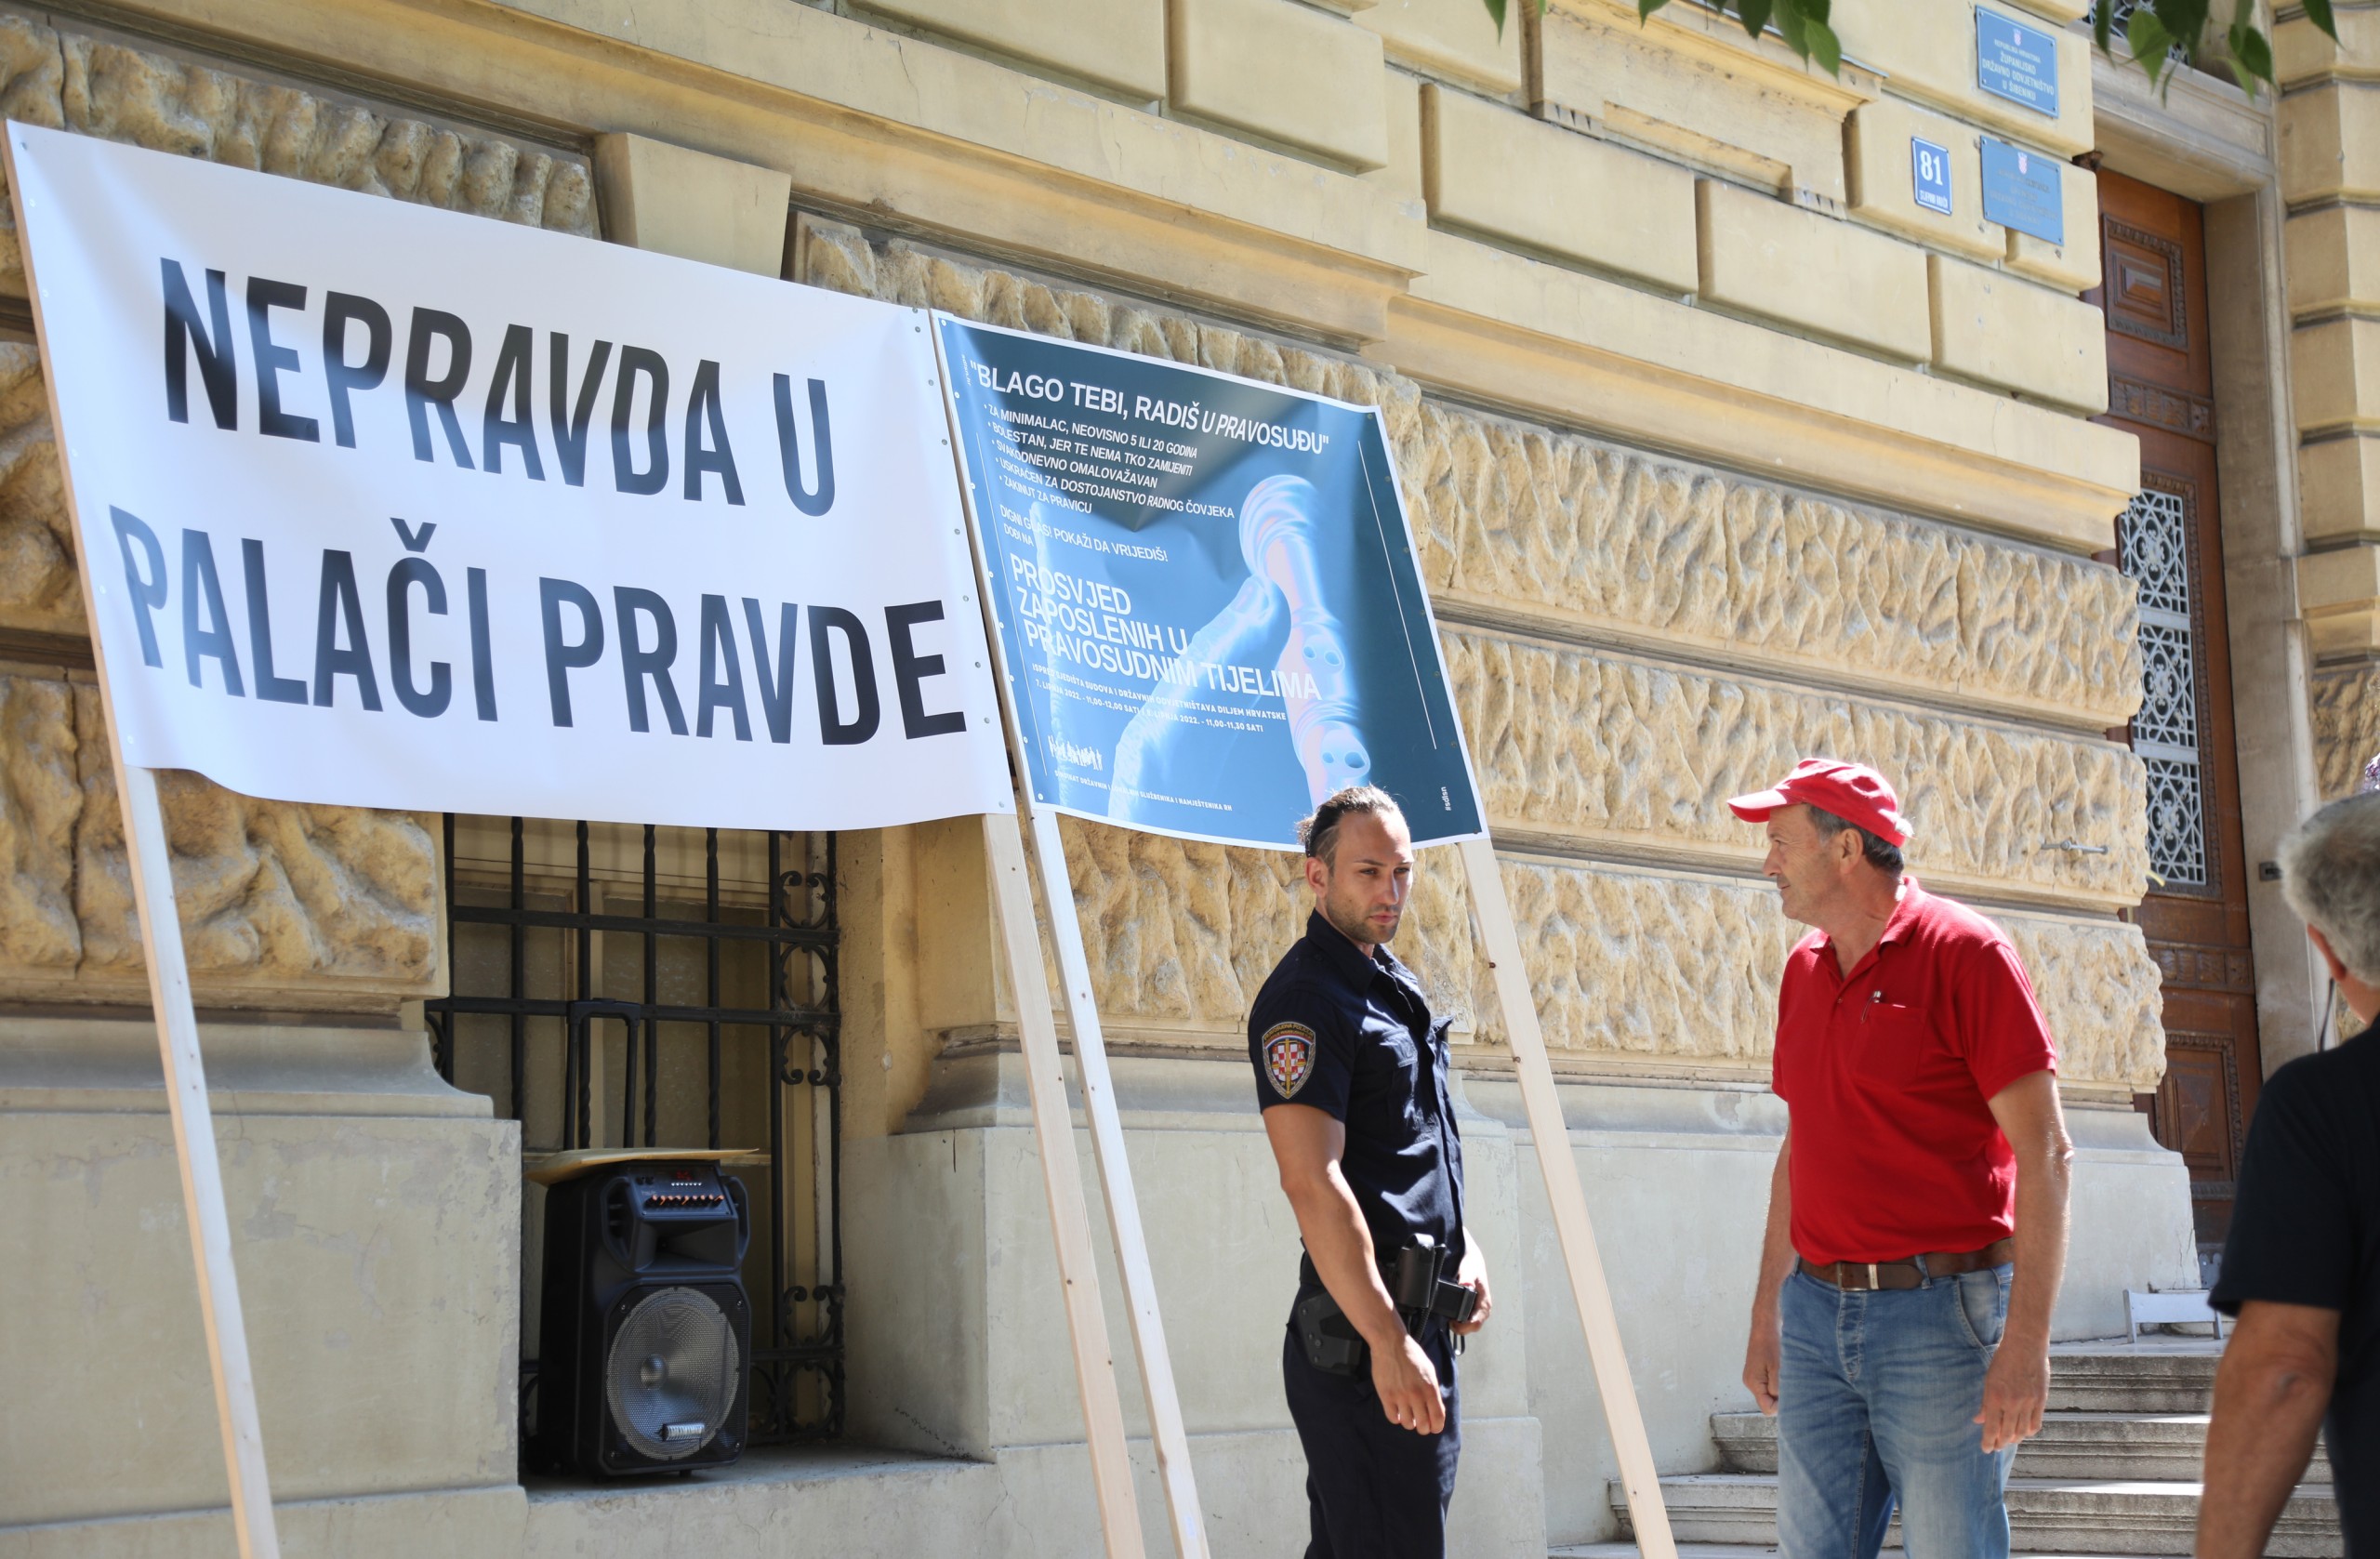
x: 1719, y: 449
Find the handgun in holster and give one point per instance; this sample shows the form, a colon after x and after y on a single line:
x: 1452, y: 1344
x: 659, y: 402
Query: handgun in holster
x: 1331, y: 1341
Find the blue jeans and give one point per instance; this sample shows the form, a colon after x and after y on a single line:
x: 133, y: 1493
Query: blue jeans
x: 1876, y: 1398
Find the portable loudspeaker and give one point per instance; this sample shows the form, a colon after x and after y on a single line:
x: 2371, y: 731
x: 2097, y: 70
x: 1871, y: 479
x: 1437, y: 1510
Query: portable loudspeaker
x: 646, y: 1351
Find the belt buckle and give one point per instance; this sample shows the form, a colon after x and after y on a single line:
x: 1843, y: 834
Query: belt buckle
x: 1873, y: 1283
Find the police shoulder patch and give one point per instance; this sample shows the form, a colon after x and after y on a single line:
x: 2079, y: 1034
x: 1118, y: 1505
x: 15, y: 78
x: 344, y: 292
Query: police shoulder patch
x: 1289, y: 1057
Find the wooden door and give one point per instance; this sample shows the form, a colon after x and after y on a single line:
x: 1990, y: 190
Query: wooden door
x: 2170, y: 539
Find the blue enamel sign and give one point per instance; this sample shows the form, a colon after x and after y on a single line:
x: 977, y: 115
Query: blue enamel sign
x: 1207, y: 594
x: 2021, y: 191
x: 1929, y: 170
x: 2014, y: 62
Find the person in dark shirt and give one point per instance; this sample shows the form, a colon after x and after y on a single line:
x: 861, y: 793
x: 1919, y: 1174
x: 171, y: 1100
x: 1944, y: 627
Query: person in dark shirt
x: 1351, y: 1074
x: 2301, y: 1269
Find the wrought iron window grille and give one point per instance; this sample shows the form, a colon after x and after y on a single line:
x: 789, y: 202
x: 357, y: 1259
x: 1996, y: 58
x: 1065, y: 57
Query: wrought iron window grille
x: 2157, y: 547
x: 729, y: 1025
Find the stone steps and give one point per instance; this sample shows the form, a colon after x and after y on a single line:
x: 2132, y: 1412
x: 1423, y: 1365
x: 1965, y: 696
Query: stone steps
x: 2116, y: 1381
x: 2119, y: 1447
x: 2046, y: 1515
x: 2114, y: 1471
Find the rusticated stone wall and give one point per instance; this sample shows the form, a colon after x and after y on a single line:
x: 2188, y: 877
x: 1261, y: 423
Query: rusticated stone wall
x: 41, y: 801
x: 841, y: 258
x: 37, y: 586
x: 2347, y: 725
x: 1625, y: 963
x: 1669, y: 746
x: 65, y: 80
x: 1602, y: 539
x: 1579, y: 747
x: 282, y: 905
x: 1640, y: 963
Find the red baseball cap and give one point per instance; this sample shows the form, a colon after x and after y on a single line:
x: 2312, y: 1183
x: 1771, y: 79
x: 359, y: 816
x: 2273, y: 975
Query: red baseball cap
x: 1852, y: 791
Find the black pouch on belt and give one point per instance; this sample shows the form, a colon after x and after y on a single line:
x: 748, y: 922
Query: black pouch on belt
x: 1331, y: 1341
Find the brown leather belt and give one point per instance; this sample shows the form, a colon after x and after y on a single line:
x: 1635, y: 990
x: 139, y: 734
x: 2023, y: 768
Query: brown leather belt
x: 1906, y: 1273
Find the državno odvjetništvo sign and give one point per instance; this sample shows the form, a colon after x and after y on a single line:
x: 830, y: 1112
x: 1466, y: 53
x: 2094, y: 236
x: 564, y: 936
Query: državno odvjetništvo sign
x: 1206, y: 593
x: 392, y: 507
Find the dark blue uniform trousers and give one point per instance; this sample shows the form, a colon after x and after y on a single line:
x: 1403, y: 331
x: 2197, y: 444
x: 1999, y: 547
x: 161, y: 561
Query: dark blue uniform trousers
x: 1375, y: 1491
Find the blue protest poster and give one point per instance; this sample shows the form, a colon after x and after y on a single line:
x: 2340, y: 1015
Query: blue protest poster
x: 1205, y: 591
x: 2021, y: 191
x: 1929, y: 172
x: 2014, y: 62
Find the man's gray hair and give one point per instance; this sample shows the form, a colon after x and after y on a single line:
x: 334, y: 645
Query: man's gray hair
x: 1880, y: 852
x: 2329, y: 872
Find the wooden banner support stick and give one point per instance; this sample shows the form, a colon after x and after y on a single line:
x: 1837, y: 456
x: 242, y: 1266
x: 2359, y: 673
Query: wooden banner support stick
x: 1098, y: 1088
x: 1053, y: 1130
x: 1568, y: 1199
x: 210, y: 1223
x: 1116, y: 1185
x: 169, y: 998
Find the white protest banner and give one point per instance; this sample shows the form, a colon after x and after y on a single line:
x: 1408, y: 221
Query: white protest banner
x: 469, y: 517
x: 393, y: 506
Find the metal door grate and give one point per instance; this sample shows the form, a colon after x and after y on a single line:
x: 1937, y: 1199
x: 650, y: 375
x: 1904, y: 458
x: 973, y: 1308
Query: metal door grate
x: 618, y: 986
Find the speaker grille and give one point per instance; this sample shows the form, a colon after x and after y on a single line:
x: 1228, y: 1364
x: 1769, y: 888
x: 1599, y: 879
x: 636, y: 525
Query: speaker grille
x: 671, y: 1375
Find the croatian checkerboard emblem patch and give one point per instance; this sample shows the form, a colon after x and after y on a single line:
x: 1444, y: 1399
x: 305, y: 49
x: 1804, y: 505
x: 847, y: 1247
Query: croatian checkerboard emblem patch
x: 1289, y: 1057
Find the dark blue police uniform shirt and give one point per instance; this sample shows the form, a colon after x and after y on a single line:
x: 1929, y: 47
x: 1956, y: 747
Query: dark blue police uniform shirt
x: 1353, y: 1037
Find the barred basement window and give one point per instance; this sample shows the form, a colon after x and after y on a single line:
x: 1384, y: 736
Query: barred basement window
x: 624, y: 986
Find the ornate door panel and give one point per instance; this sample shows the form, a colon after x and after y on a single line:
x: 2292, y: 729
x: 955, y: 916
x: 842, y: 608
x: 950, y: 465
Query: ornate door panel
x: 2169, y: 540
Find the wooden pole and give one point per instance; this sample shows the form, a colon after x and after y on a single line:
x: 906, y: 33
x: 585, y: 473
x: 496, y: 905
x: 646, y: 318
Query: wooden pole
x: 1103, y: 1411
x: 169, y: 998
x: 1116, y: 1185
x: 210, y: 1224
x: 1090, y: 1057
x: 1568, y: 1199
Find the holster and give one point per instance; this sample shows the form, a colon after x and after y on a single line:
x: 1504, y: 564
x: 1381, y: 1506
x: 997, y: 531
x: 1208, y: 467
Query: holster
x: 1331, y: 1341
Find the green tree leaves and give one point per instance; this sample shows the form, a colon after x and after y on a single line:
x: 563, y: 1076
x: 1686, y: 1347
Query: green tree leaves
x: 2154, y: 31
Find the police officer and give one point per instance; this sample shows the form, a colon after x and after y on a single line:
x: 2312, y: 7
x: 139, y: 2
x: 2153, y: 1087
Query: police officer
x: 1351, y: 1074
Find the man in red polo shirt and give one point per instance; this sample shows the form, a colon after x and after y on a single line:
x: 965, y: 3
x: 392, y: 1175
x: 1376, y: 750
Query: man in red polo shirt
x: 1917, y: 1215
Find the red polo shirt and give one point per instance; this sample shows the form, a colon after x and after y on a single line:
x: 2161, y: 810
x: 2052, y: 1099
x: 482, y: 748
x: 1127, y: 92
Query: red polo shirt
x: 1887, y: 1072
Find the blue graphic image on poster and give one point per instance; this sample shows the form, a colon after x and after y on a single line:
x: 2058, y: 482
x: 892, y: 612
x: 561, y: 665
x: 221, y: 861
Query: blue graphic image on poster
x: 1205, y: 594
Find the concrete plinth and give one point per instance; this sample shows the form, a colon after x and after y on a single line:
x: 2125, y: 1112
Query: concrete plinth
x: 374, y: 1224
